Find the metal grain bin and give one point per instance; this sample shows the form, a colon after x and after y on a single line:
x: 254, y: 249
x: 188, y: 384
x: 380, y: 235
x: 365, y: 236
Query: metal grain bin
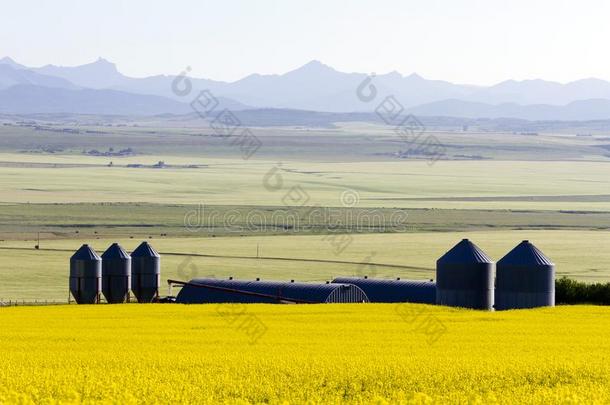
x: 395, y: 290
x: 86, y: 275
x: 145, y: 273
x: 525, y: 278
x: 199, y: 291
x: 116, y: 274
x: 465, y: 277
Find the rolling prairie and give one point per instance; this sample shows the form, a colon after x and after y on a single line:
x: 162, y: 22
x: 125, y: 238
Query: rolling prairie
x: 495, y: 188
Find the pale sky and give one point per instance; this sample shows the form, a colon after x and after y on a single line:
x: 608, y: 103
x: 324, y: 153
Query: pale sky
x: 468, y: 41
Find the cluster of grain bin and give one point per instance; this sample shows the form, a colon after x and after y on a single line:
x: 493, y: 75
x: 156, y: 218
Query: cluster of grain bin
x: 115, y: 274
x: 524, y: 278
x: 198, y: 291
x: 465, y: 278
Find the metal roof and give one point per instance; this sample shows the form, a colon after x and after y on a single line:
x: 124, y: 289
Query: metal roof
x: 145, y: 250
x: 465, y: 252
x: 244, y: 291
x: 85, y: 253
x: 394, y: 290
x: 525, y: 254
x: 115, y: 251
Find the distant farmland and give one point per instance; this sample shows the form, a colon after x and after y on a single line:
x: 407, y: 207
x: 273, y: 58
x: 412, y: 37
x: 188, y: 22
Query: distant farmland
x: 551, y: 188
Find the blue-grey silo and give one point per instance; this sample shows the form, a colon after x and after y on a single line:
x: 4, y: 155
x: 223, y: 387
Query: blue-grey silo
x: 525, y: 278
x: 86, y: 275
x: 145, y: 273
x: 116, y: 274
x: 394, y: 290
x: 465, y: 277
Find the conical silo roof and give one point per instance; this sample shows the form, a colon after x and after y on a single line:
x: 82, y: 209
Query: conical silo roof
x: 115, y: 251
x: 465, y: 252
x: 85, y: 253
x: 145, y: 250
x: 525, y: 254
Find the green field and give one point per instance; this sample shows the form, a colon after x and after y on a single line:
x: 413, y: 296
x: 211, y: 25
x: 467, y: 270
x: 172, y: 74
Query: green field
x: 312, y: 204
x: 453, y: 184
x: 29, y: 274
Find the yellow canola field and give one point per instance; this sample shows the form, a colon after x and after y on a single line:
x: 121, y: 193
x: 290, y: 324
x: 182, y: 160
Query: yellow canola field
x: 357, y: 353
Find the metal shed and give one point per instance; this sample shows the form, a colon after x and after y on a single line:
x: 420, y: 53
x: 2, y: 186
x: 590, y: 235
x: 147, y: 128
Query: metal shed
x: 465, y: 277
x: 145, y: 273
x: 394, y: 290
x: 116, y: 274
x: 86, y: 275
x: 199, y: 291
x: 525, y: 278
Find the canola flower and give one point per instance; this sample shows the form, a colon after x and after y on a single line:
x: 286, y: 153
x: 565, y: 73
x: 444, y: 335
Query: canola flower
x: 326, y: 354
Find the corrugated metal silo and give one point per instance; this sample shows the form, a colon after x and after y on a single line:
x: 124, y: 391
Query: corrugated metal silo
x: 86, y: 275
x: 199, y: 291
x: 396, y: 290
x: 145, y: 273
x: 116, y: 274
x: 525, y: 278
x: 465, y: 277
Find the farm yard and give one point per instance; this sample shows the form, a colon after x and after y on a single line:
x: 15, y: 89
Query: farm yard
x: 225, y: 216
x: 31, y: 274
x: 222, y: 217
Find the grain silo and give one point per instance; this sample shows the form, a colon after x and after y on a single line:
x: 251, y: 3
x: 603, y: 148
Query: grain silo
x: 145, y: 273
x: 525, y: 278
x: 394, y: 290
x: 465, y: 277
x: 86, y: 275
x: 116, y: 274
x: 199, y: 291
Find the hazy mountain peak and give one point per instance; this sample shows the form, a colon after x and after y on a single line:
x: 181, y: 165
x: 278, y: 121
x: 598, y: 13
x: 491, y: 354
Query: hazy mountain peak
x: 13, y: 74
x: 314, y: 66
x: 98, y: 74
x: 104, y: 62
x: 101, y: 65
x: 414, y: 76
x: 9, y: 61
x: 316, y: 63
x: 316, y: 86
x: 394, y: 74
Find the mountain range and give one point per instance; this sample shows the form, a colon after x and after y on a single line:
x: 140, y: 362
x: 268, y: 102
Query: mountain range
x: 100, y: 88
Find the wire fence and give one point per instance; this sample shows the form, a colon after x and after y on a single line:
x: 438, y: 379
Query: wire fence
x: 24, y: 303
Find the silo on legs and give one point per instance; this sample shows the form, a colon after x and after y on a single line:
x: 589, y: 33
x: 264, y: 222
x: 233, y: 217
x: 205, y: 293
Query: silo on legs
x: 116, y: 274
x: 145, y: 273
x: 86, y: 275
